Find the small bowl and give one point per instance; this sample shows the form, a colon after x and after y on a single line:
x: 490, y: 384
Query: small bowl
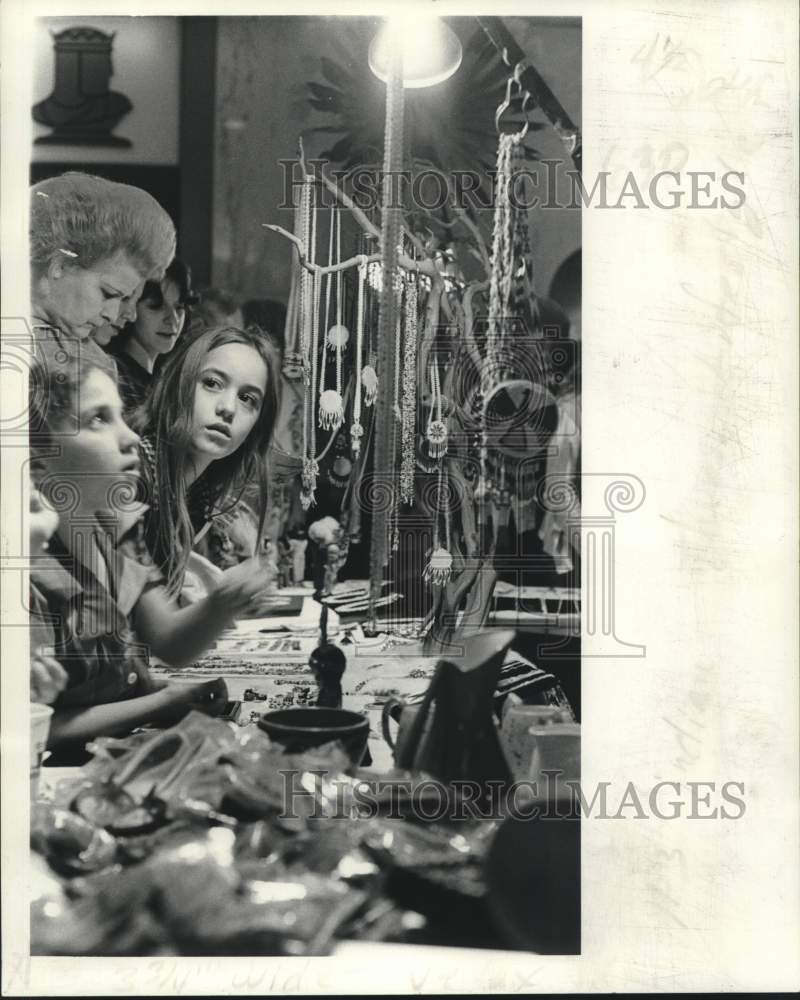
x: 300, y: 729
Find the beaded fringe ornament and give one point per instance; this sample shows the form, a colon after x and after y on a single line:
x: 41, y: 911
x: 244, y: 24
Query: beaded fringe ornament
x: 409, y: 397
x: 440, y: 564
x: 331, y: 406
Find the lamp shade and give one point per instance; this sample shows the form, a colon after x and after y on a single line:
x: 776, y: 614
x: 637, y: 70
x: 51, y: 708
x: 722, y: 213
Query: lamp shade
x: 431, y: 50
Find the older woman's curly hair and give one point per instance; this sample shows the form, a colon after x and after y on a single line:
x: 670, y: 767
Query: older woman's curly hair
x: 88, y: 219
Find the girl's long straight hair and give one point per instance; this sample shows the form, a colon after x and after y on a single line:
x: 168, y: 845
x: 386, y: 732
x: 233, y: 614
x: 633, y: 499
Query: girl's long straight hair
x: 167, y: 416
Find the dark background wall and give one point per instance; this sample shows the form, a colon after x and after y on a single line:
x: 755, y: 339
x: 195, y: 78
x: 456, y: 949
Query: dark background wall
x: 218, y: 102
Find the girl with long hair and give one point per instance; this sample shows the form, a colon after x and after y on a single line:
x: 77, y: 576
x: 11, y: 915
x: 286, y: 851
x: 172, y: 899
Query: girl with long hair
x: 206, y: 428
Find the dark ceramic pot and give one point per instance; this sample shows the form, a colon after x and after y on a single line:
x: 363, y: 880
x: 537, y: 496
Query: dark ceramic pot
x: 300, y: 729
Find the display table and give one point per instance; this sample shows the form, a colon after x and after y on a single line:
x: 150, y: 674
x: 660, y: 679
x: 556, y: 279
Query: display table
x: 411, y: 882
x: 268, y: 658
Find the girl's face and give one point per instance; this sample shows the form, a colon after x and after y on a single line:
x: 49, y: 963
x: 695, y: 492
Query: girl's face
x: 79, y: 300
x: 228, y: 399
x: 103, y: 453
x: 158, y: 326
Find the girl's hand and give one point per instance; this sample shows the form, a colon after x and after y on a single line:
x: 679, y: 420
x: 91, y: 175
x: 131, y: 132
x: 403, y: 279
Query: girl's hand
x: 243, y: 588
x: 209, y: 697
x: 48, y: 678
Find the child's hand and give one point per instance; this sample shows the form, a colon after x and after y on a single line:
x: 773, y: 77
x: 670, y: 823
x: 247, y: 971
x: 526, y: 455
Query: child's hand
x: 209, y: 697
x: 243, y: 588
x: 48, y: 679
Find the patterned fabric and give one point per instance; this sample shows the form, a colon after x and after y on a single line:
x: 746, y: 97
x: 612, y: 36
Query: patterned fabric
x: 134, y: 381
x: 529, y: 682
x: 86, y: 624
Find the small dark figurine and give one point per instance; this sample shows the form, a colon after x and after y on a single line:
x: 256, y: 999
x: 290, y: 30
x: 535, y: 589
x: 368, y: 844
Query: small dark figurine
x: 328, y: 664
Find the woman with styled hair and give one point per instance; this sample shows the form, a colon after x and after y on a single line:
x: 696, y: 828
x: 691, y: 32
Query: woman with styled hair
x: 160, y: 319
x: 206, y: 428
x: 93, y: 244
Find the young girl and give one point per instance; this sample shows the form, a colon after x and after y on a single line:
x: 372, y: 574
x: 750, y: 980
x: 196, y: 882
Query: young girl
x: 159, y: 321
x: 98, y: 603
x: 206, y: 428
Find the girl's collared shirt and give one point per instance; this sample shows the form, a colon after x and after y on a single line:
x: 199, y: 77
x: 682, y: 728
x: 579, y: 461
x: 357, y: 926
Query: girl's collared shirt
x: 85, y: 622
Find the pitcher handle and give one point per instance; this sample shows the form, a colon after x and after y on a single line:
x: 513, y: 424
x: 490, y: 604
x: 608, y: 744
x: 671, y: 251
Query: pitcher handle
x: 391, y: 703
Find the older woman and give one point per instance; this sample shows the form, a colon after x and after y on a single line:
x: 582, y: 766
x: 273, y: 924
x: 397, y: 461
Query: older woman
x: 93, y: 244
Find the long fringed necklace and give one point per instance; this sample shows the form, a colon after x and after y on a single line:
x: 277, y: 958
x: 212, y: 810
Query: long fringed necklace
x: 369, y: 377
x: 440, y: 565
x: 409, y: 398
x: 356, y: 430
x: 331, y: 409
x: 310, y: 300
x: 293, y: 356
x: 436, y: 431
x: 398, y: 339
x: 499, y: 294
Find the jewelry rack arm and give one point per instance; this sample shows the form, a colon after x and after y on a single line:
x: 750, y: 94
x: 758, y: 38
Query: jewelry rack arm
x: 361, y: 218
x: 529, y: 79
x: 426, y: 267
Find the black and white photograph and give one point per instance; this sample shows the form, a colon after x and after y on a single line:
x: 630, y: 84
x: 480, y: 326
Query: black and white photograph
x: 366, y: 626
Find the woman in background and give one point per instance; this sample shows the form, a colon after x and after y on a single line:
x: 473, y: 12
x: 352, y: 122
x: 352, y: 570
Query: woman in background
x: 161, y: 316
x: 93, y: 244
x: 206, y: 428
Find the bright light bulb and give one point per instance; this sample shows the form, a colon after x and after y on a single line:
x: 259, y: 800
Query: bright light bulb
x: 431, y: 50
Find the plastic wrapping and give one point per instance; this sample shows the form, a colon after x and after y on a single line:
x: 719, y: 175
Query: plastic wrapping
x: 190, y: 898
x: 202, y: 768
x: 209, y: 839
x: 70, y: 844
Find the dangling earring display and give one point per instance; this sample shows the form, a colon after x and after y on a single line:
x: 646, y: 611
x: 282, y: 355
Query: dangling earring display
x: 331, y: 408
x: 440, y: 565
x: 356, y: 430
x: 436, y: 431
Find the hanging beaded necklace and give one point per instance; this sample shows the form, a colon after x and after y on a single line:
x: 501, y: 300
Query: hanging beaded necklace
x: 331, y: 410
